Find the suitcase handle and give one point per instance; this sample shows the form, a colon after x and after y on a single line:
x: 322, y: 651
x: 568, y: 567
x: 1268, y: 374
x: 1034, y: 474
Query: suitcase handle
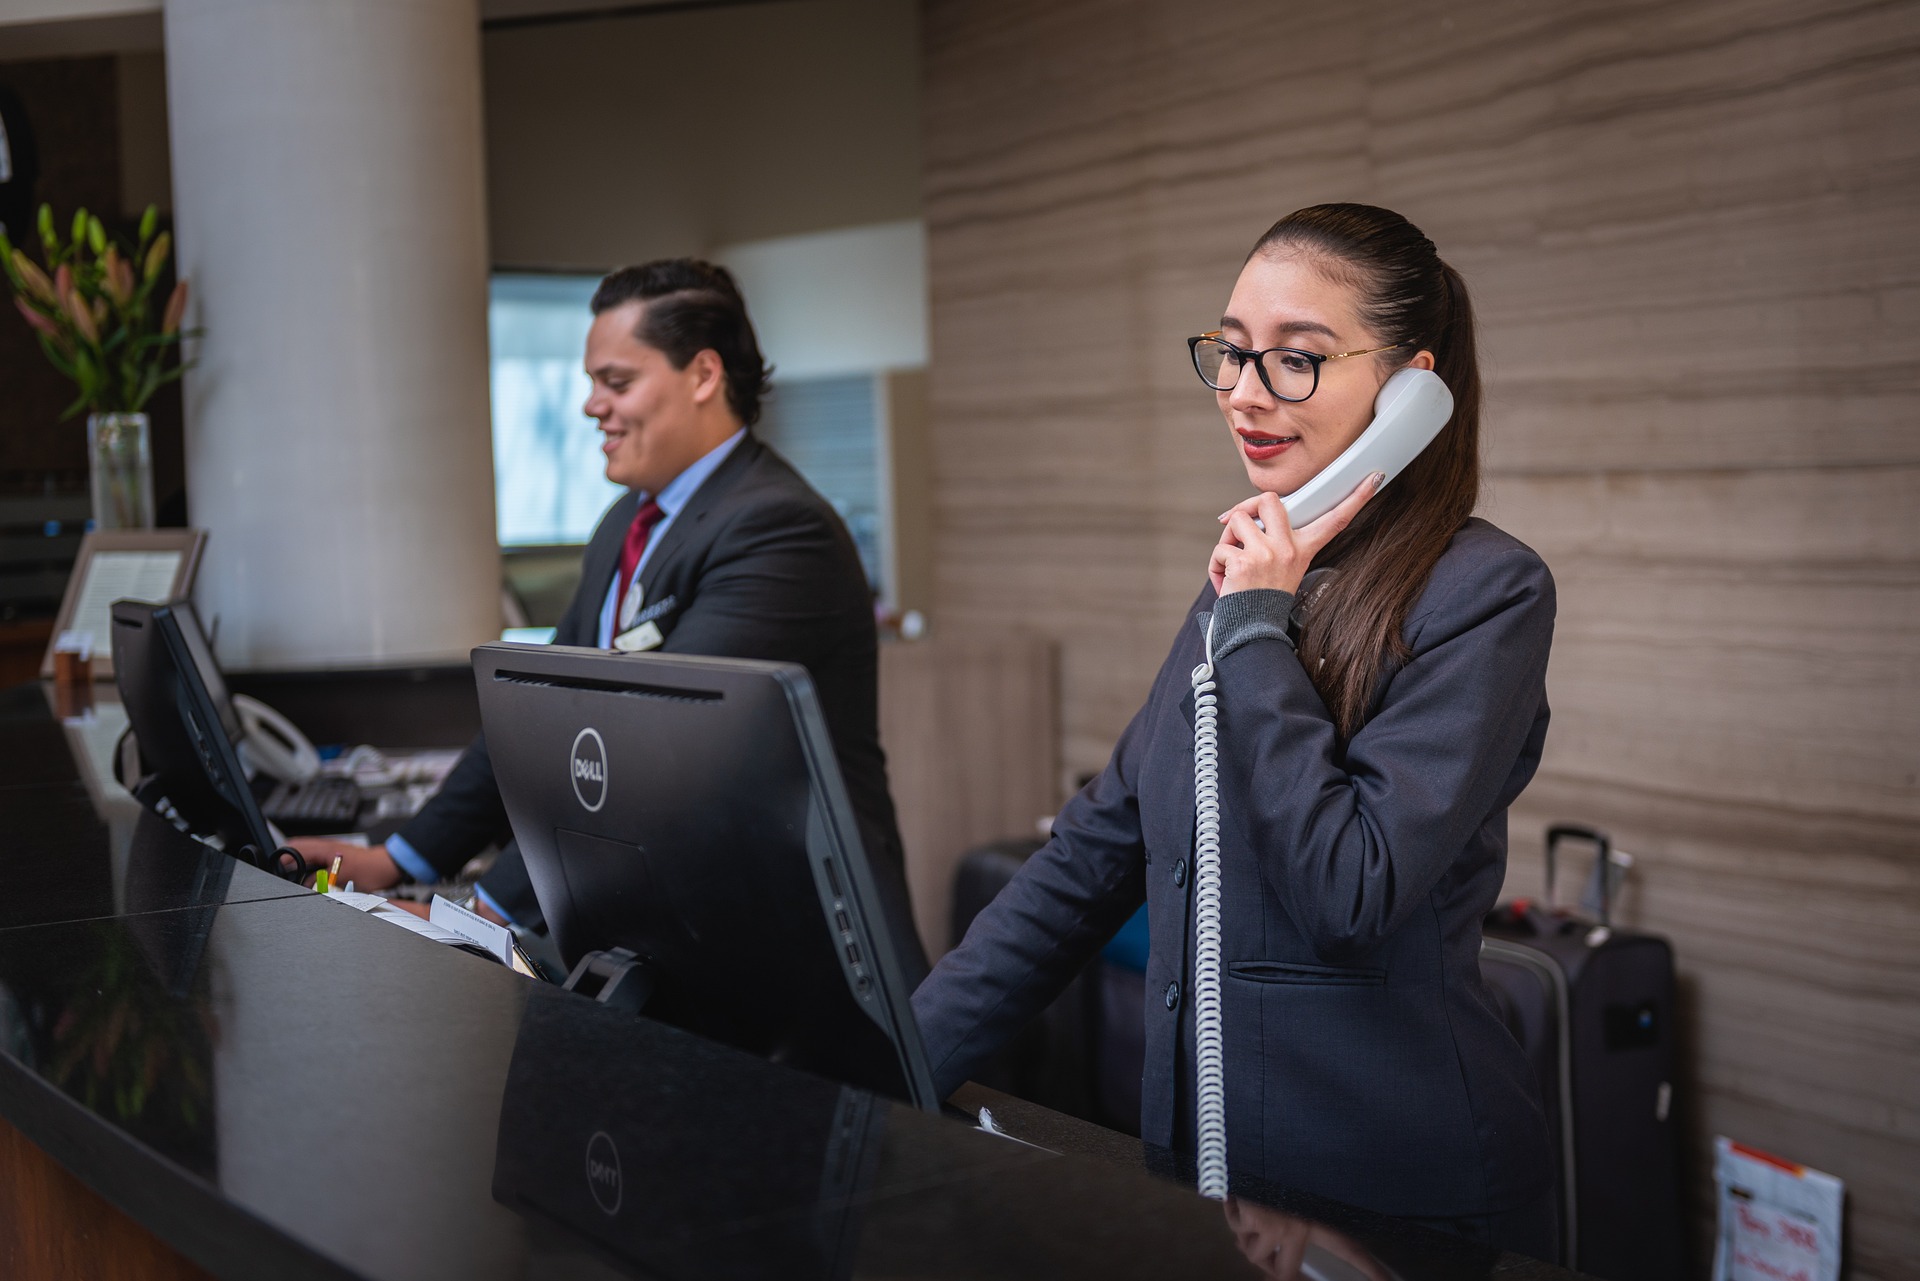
x: 1581, y: 832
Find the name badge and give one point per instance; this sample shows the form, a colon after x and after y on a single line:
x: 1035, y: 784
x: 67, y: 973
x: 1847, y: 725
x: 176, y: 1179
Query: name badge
x: 630, y: 604
x: 644, y: 637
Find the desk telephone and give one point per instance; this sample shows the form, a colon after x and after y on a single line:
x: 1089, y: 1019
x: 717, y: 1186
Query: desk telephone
x: 272, y: 749
x: 271, y: 745
x: 301, y: 801
x: 1412, y: 407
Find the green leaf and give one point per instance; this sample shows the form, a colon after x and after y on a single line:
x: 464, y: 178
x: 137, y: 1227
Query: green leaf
x: 58, y: 361
x: 47, y: 236
x: 173, y: 375
x: 96, y: 235
x: 79, y: 235
x: 87, y: 373
x: 148, y: 221
x: 150, y: 342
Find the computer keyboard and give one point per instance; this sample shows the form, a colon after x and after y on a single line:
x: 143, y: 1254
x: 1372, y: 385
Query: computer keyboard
x: 328, y: 802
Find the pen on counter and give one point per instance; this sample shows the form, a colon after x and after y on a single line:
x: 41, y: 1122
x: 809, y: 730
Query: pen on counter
x: 333, y: 875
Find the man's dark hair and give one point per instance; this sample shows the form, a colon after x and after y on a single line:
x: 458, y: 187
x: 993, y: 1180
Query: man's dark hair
x: 692, y: 306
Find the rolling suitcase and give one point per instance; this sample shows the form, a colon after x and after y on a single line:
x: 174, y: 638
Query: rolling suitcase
x: 1593, y: 1007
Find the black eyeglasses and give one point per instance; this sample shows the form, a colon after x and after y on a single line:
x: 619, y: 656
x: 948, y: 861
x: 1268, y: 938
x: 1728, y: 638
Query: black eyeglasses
x: 1287, y: 372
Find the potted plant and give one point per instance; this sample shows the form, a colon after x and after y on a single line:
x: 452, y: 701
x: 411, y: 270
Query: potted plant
x: 92, y: 307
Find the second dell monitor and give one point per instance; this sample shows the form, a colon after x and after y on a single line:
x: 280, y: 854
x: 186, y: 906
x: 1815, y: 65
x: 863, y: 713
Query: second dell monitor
x: 690, y: 811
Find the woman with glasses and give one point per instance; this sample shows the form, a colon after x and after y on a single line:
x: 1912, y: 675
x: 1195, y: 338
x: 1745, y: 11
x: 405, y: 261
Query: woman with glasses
x: 1380, y: 684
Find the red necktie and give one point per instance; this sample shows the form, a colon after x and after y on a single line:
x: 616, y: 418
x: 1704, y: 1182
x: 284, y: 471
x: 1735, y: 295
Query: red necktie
x: 636, y: 545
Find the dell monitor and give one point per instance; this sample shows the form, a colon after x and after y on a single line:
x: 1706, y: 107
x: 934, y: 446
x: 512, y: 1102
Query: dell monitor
x: 687, y: 814
x: 184, y: 724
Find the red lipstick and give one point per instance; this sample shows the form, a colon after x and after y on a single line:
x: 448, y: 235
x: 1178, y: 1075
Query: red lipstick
x: 1260, y: 446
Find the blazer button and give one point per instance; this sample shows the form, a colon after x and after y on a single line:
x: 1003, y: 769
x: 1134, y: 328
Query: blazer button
x: 1180, y: 873
x: 1173, y: 995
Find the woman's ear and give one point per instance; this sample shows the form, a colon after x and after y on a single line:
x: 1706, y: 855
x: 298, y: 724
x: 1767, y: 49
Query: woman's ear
x: 1422, y: 360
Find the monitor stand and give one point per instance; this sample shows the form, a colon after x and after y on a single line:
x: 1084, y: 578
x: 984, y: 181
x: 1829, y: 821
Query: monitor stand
x: 618, y: 978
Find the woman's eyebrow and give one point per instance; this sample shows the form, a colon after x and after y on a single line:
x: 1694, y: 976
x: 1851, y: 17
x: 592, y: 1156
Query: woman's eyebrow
x: 1285, y: 327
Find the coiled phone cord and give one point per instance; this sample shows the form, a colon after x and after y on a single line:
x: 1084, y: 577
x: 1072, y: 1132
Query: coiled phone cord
x: 1209, y: 1043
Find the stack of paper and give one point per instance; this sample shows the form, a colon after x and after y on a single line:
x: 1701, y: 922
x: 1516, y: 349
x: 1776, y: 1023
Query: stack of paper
x: 383, y: 909
x: 450, y: 924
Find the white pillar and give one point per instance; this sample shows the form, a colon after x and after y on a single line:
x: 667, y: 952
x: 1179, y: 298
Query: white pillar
x: 329, y: 206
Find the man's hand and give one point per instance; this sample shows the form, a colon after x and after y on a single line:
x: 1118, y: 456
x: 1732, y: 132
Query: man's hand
x: 1279, y: 555
x: 369, y: 867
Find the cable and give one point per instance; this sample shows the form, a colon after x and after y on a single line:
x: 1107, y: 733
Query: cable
x: 1211, y: 1103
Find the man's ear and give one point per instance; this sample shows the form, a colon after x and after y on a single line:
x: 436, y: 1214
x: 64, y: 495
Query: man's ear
x: 710, y: 375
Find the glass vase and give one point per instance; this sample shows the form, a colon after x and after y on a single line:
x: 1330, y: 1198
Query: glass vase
x: 120, y: 461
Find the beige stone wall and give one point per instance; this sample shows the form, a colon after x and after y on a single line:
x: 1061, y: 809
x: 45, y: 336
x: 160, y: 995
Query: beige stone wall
x: 1692, y: 234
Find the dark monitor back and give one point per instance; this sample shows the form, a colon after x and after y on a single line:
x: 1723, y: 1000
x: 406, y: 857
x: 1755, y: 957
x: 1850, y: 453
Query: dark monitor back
x: 161, y: 662
x: 200, y: 650
x: 691, y: 810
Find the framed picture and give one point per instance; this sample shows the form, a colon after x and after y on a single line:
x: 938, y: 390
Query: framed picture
x: 121, y: 564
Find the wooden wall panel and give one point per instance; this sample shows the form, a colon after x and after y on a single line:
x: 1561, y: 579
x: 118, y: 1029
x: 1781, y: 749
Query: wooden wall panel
x: 1691, y: 233
x: 53, y: 1227
x: 972, y: 740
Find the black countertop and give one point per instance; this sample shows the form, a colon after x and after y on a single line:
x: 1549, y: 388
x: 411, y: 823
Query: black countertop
x: 277, y: 1085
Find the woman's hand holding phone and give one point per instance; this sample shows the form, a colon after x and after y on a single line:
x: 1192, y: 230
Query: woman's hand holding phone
x: 1278, y: 555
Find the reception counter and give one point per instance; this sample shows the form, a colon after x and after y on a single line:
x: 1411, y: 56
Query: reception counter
x: 265, y: 1083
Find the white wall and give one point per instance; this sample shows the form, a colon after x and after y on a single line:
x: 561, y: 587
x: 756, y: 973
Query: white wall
x: 837, y: 302
x: 618, y: 140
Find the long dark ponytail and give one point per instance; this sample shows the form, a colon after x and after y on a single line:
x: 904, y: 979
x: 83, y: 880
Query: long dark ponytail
x: 1353, y: 630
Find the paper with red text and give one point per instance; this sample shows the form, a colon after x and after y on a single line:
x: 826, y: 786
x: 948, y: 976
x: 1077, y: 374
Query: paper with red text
x: 1779, y: 1221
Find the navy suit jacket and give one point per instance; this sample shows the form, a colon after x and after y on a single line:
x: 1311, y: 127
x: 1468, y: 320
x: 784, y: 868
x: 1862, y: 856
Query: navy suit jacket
x: 756, y: 565
x: 1365, y: 1060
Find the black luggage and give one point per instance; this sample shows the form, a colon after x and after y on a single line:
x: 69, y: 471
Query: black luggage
x: 1593, y: 1006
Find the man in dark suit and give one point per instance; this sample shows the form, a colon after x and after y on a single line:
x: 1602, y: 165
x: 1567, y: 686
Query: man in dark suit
x: 718, y: 548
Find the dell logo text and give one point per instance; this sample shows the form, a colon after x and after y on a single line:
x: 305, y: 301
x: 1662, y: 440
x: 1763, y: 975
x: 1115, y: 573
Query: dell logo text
x: 590, y: 769
x: 603, y: 1172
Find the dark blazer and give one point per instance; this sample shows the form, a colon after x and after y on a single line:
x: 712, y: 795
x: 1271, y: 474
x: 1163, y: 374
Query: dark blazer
x: 756, y: 565
x: 1365, y: 1059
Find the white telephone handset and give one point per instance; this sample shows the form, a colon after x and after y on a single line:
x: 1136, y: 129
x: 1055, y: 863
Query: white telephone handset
x: 1408, y: 413
x: 271, y: 744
